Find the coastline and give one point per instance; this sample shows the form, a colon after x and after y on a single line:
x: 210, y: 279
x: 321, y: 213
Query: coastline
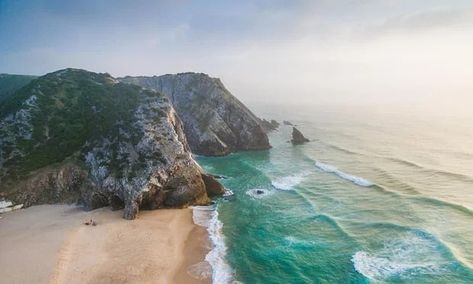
x: 50, y: 244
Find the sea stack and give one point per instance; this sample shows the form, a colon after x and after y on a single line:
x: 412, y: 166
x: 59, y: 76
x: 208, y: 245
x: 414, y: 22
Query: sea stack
x: 298, y: 137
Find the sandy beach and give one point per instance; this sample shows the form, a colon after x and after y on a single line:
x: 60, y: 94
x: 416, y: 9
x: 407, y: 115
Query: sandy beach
x: 50, y: 244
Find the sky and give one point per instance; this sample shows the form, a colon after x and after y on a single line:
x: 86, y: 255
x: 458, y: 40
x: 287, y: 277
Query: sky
x: 319, y: 51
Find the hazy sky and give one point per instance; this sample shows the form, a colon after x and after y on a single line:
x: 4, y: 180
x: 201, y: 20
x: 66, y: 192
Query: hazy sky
x: 315, y: 51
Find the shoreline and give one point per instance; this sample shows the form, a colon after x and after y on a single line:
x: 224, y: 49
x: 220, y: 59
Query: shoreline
x: 50, y: 244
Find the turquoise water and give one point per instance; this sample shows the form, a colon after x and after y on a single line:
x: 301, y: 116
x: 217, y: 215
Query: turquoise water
x: 375, y: 197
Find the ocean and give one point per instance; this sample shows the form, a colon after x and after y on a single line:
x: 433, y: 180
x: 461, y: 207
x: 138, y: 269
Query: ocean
x: 379, y: 195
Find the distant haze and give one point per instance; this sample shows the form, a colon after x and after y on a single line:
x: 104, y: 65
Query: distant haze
x: 326, y: 51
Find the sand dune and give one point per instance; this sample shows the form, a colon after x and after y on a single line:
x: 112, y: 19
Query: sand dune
x: 50, y: 244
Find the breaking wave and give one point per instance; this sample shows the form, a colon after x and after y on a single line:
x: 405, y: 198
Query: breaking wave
x: 288, y: 182
x: 332, y: 169
x: 228, y: 192
x: 207, y: 216
x: 410, y: 255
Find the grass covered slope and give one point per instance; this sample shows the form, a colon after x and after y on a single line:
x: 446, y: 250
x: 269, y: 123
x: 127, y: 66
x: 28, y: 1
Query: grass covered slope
x: 10, y: 83
x: 53, y: 117
x: 77, y: 135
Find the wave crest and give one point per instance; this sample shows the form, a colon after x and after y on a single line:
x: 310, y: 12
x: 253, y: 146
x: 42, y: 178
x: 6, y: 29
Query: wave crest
x: 288, y: 182
x: 332, y: 169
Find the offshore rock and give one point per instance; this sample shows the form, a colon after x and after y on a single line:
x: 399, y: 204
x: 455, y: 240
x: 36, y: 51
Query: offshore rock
x: 298, y: 137
x: 269, y: 126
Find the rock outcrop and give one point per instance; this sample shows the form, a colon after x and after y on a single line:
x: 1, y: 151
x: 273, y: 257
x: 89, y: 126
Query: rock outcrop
x: 287, y: 122
x: 74, y: 135
x: 214, y: 188
x: 298, y: 137
x: 215, y: 122
x: 269, y: 126
x: 7, y: 206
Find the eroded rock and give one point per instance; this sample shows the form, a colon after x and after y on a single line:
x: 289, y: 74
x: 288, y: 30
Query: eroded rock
x: 215, y: 122
x: 85, y: 137
x: 298, y: 137
x: 213, y: 187
x: 269, y: 125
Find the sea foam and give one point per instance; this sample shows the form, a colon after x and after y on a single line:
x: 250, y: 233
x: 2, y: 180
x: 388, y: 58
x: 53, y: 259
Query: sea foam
x: 259, y: 193
x: 207, y: 216
x: 288, y: 182
x: 228, y: 192
x: 403, y: 257
x: 332, y: 169
x: 292, y: 241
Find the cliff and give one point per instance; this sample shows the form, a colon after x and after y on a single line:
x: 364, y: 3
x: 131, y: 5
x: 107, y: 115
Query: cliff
x: 215, y: 122
x: 74, y: 135
x: 269, y: 126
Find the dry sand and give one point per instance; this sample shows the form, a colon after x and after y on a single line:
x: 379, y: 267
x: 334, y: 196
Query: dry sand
x: 50, y: 244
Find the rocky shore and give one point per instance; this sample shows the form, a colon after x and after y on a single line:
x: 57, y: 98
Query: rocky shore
x: 78, y: 136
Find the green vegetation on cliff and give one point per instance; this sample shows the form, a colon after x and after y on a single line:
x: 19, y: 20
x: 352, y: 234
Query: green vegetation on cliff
x: 65, y: 112
x: 10, y: 83
x: 74, y: 135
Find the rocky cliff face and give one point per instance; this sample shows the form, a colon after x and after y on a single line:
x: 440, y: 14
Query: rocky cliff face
x: 74, y: 135
x: 215, y: 122
x: 269, y: 126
